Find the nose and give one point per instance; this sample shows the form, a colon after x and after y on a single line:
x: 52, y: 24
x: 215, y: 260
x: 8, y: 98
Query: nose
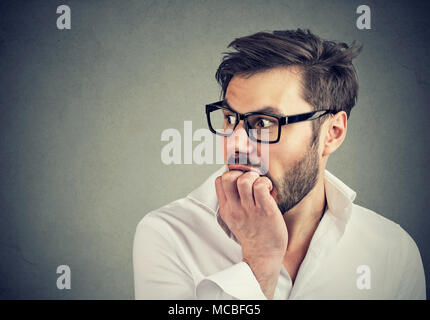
x: 239, y: 141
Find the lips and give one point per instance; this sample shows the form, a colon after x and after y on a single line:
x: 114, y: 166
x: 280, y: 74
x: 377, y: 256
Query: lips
x: 243, y: 168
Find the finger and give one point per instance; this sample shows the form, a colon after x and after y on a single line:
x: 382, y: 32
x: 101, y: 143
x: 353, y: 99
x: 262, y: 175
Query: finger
x: 263, y: 199
x: 229, y: 184
x: 244, y: 187
x: 222, y: 200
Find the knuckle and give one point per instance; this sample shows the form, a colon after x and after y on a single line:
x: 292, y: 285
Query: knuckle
x: 243, y: 182
x: 259, y: 185
x: 264, y: 179
x: 229, y: 178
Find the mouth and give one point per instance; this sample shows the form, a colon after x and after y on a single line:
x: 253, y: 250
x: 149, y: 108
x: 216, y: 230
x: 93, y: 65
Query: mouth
x: 243, y: 168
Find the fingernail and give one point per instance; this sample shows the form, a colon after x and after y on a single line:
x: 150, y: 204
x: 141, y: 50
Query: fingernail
x: 255, y: 173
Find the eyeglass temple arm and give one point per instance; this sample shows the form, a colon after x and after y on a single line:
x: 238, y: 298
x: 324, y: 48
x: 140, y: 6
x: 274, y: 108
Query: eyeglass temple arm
x: 305, y: 116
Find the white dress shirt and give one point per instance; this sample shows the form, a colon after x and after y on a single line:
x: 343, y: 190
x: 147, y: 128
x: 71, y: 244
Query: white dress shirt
x: 184, y: 251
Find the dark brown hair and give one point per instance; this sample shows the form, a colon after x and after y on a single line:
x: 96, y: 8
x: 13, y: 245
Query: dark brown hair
x: 329, y: 79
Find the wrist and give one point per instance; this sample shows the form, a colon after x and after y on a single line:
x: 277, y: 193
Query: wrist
x: 266, y: 272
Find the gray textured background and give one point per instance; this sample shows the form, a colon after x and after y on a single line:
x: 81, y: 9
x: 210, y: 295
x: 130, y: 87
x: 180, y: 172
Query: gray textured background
x: 82, y: 112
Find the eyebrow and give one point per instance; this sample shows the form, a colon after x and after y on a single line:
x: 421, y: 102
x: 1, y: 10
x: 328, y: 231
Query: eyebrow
x: 267, y: 109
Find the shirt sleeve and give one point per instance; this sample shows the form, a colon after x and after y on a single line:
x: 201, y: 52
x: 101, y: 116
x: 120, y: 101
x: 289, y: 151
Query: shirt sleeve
x: 234, y: 283
x: 412, y: 284
x: 160, y: 273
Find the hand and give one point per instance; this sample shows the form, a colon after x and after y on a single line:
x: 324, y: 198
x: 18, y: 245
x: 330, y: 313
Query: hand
x: 251, y: 213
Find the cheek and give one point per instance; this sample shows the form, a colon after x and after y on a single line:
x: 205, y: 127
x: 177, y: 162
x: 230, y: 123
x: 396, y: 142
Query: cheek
x: 286, y: 153
x: 278, y: 163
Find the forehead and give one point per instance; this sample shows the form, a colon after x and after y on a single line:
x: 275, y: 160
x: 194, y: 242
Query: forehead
x: 279, y: 88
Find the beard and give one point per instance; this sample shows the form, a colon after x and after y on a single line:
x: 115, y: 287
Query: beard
x: 298, y: 181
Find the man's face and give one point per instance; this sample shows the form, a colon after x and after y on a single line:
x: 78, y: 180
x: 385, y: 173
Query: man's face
x: 292, y: 164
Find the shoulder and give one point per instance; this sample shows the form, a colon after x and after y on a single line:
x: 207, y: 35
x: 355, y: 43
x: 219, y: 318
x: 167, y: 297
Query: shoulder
x: 196, y: 210
x: 391, y: 250
x: 180, y: 216
x: 370, y: 223
x: 378, y: 231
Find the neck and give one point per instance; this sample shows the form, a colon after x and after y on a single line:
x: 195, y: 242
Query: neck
x: 303, y: 219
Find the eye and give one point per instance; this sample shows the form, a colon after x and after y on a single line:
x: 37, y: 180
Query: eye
x: 230, y: 118
x: 263, y: 123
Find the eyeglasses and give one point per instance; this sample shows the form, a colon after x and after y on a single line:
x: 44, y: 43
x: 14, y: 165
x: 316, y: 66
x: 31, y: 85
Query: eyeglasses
x: 260, y: 126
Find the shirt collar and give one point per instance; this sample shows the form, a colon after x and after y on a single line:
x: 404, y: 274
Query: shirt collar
x: 206, y: 194
x: 339, y: 198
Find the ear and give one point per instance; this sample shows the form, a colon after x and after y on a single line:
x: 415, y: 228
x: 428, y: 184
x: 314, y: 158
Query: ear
x: 335, y: 132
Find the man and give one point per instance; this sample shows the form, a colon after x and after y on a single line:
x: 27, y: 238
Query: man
x: 277, y: 225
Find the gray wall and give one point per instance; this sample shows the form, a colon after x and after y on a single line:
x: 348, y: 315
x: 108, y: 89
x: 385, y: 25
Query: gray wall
x: 82, y: 112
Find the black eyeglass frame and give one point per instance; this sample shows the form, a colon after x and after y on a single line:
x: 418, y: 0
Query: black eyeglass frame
x: 282, y: 120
